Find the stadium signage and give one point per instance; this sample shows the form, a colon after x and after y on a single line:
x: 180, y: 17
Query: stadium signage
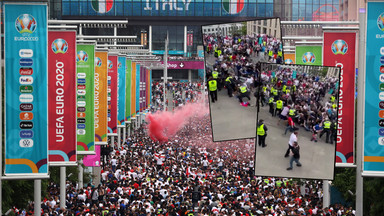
x: 167, y: 5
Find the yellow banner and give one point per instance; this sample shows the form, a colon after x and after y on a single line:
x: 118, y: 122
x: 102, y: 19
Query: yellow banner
x: 133, y: 90
x: 289, y: 58
x: 101, y: 104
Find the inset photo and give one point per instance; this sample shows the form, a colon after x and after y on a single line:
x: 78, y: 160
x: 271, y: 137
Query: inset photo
x: 233, y: 52
x: 297, y: 121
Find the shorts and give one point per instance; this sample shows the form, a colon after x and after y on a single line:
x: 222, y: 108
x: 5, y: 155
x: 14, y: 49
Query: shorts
x: 283, y: 117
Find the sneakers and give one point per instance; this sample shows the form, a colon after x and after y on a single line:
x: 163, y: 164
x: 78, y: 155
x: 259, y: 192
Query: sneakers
x: 289, y: 168
x: 299, y: 165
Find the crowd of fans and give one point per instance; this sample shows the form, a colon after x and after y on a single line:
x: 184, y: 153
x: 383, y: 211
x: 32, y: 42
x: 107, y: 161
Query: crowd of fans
x: 180, y: 93
x: 306, y: 100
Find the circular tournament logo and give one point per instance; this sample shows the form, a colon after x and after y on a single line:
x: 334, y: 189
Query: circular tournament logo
x: 233, y: 7
x: 380, y: 21
x: 119, y: 65
x: 59, y: 46
x: 288, y: 61
x: 82, y: 56
x: 308, y: 57
x: 339, y: 47
x: 25, y: 23
x: 110, y: 64
x: 98, y: 62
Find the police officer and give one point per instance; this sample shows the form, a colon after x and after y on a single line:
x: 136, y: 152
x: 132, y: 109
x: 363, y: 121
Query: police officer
x: 326, y: 129
x: 212, y: 87
x: 262, y: 133
x: 243, y: 93
x: 292, y: 112
x: 215, y: 74
x: 228, y: 84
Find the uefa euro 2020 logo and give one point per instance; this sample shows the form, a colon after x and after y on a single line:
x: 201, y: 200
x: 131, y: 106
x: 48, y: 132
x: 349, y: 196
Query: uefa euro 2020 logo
x: 98, y: 62
x: 59, y: 46
x: 308, y: 57
x: 288, y: 61
x: 81, y: 56
x: 380, y: 21
x: 119, y: 65
x: 110, y: 64
x: 25, y: 23
x: 339, y: 47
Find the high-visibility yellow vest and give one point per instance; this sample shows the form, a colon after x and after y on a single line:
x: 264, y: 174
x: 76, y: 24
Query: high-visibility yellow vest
x: 287, y: 91
x: 266, y: 181
x: 215, y: 74
x: 327, y: 125
x: 212, y: 85
x: 334, y: 106
x: 280, y: 53
x: 333, y: 99
x: 228, y: 79
x: 292, y: 112
x: 260, y: 130
x: 219, y: 53
x: 264, y: 89
x: 293, y: 88
x: 243, y: 89
x: 279, y: 104
x: 278, y: 183
x: 271, y: 100
x: 284, y: 88
x: 274, y: 92
x: 270, y: 53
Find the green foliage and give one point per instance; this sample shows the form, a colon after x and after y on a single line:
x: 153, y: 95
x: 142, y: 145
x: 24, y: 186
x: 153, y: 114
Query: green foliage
x: 373, y: 196
x: 17, y: 193
x: 345, y: 179
x: 244, y: 28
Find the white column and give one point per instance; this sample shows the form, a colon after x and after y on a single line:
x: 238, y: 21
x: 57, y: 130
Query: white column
x: 119, y: 136
x: 326, y: 194
x: 185, y: 40
x: 360, y: 109
x: 81, y: 173
x: 62, y: 186
x: 190, y: 75
x: 113, y: 142
x: 37, y: 197
x: 150, y: 38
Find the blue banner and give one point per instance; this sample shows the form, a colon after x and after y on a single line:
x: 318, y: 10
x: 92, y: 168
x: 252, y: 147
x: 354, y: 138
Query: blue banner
x: 156, y: 8
x: 121, y: 90
x: 26, y: 115
x: 138, y: 87
x: 373, y: 160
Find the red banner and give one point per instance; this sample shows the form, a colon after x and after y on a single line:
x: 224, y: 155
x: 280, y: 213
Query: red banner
x: 112, y: 94
x: 62, y: 97
x: 339, y: 50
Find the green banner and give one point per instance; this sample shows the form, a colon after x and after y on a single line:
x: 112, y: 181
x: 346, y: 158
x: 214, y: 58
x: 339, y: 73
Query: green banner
x: 309, y: 55
x: 85, y: 104
x: 128, y: 90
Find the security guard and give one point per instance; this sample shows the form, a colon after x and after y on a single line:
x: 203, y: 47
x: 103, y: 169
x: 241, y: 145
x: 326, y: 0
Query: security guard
x: 333, y: 99
x: 292, y: 112
x: 212, y: 86
x: 279, y: 107
x: 262, y: 133
x: 333, y: 132
x: 243, y: 93
x: 271, y: 105
x: 228, y: 85
x: 326, y: 129
x: 215, y: 74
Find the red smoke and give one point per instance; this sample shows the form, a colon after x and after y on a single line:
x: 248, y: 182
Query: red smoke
x: 164, y: 125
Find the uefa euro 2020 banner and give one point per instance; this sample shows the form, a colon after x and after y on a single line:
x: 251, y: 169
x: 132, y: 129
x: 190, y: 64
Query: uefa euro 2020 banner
x: 121, y: 67
x: 85, y: 98
x: 373, y: 160
x: 61, y: 100
x: 309, y: 55
x: 93, y: 160
x: 339, y: 50
x: 112, y: 94
x: 101, y: 107
x: 26, y: 123
x: 138, y: 87
x: 131, y: 89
